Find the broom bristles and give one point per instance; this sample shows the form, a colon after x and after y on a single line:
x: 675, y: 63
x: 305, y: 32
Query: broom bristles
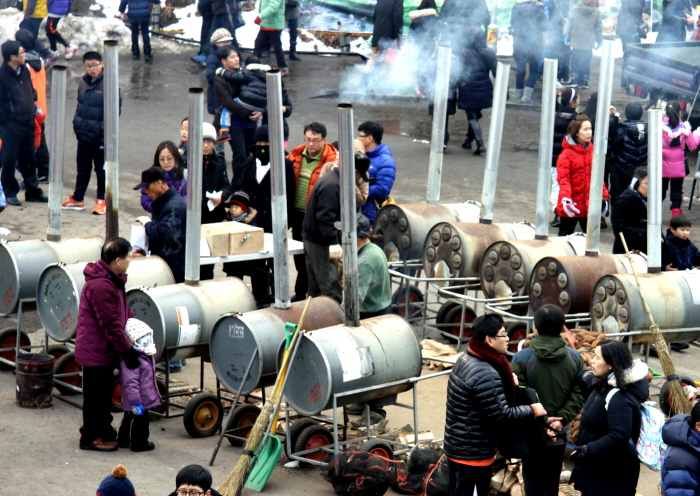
x: 679, y: 402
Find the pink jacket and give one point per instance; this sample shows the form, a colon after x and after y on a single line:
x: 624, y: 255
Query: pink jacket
x: 674, y: 157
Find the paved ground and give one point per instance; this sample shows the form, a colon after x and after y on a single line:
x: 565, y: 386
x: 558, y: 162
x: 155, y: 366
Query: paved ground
x: 40, y: 447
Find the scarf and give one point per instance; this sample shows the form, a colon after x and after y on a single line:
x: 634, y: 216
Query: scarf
x: 499, y: 362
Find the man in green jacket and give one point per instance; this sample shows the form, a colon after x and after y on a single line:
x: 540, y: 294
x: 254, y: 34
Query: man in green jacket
x: 271, y: 21
x: 373, y: 281
x: 550, y: 368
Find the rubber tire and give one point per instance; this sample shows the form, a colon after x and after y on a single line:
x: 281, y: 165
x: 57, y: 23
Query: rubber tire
x: 295, y: 429
x: 416, y: 296
x: 456, y: 315
x: 517, y: 330
x: 442, y: 312
x: 57, y: 351
x: 116, y: 406
x: 379, y: 447
x: 65, y: 364
x: 665, y: 396
x: 313, y: 433
x: 198, y: 406
x: 8, y: 339
x: 239, y: 414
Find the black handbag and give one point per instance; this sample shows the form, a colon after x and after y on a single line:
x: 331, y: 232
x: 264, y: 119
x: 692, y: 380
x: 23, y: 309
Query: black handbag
x: 523, y: 437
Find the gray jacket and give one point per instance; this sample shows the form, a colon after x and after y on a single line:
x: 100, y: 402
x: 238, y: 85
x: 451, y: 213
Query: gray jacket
x: 585, y: 27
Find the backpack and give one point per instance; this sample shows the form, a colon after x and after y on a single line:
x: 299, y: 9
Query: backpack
x: 651, y: 449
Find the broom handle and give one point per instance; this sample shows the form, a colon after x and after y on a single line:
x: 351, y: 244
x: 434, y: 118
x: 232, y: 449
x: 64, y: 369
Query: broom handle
x: 639, y: 286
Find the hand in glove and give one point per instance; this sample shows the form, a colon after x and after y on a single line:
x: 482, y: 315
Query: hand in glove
x: 606, y: 207
x: 138, y: 410
x: 335, y: 252
x: 578, y: 453
x: 131, y: 359
x: 569, y: 207
x: 257, y: 21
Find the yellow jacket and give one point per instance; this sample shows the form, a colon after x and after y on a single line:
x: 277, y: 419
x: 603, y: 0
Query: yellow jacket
x: 37, y: 9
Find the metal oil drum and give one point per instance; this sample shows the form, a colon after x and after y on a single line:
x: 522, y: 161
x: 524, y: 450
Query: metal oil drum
x: 182, y: 315
x: 34, y: 381
x: 461, y: 245
x: 340, y: 358
x: 401, y: 229
x: 60, y: 286
x: 235, y: 338
x: 673, y: 298
x: 506, y: 265
x: 568, y: 282
x: 21, y: 264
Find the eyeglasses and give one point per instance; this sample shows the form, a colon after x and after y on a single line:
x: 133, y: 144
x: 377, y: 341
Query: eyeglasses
x: 362, y: 136
x: 189, y: 492
x: 92, y: 66
x: 314, y: 141
x: 502, y: 336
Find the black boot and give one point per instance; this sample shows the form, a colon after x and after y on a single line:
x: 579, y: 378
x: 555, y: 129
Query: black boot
x: 147, y: 55
x: 467, y: 145
x: 476, y: 129
x: 293, y: 53
x: 135, y: 52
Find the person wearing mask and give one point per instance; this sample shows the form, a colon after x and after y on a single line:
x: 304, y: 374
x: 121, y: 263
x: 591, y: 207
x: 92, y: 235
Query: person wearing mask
x: 680, y: 471
x: 606, y: 458
x: 629, y: 215
x: 551, y: 368
x: 480, y: 403
x: 528, y: 22
x: 630, y: 150
x: 100, y: 339
x: 574, y: 167
x: 382, y: 169
x: 565, y: 113
x: 17, y: 113
x: 308, y: 160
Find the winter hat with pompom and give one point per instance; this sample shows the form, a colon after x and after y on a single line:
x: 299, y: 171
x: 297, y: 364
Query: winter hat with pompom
x: 117, y: 484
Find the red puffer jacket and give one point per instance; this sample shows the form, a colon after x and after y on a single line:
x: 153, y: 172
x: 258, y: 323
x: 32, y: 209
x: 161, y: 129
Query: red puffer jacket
x: 574, y: 175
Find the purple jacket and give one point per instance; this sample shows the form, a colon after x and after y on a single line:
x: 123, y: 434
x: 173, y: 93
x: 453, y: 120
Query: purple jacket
x: 100, y: 336
x: 139, y: 385
x: 59, y: 7
x: 179, y: 185
x: 674, y: 157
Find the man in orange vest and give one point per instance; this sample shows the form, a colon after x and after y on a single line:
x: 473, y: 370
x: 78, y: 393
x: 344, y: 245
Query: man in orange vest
x: 308, y: 160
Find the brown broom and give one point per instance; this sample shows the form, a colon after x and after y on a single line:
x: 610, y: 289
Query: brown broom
x: 235, y: 480
x: 679, y: 402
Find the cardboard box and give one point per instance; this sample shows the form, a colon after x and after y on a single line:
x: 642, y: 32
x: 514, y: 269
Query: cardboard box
x: 233, y: 238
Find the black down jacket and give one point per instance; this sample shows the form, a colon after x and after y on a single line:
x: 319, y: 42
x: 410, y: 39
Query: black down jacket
x: 562, y: 117
x: 17, y: 96
x: 476, y: 410
x: 630, y: 145
x: 528, y: 23
x: 629, y: 216
x: 475, y: 87
x: 388, y: 22
x: 166, y: 233
x: 89, y: 120
x: 214, y: 179
x: 138, y: 10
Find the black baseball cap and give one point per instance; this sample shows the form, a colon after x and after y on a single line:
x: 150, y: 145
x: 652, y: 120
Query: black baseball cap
x: 363, y: 227
x: 362, y: 165
x: 151, y: 175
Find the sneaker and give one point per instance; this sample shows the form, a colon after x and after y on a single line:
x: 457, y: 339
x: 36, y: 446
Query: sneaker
x: 71, y: 204
x: 284, y: 72
x: 42, y: 180
x: 70, y: 51
x: 100, y: 207
x: 676, y: 211
x: 51, y: 59
x: 199, y: 59
x: 12, y: 200
x: 223, y: 137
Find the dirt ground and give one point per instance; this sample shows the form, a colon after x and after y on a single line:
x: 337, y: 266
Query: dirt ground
x: 41, y: 446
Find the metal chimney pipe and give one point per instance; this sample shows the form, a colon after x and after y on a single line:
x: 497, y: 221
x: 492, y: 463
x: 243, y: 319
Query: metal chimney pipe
x: 600, y: 148
x: 279, y: 189
x: 194, y: 185
x: 493, y: 150
x: 111, y: 137
x: 57, y: 115
x: 654, y: 195
x: 348, y: 215
x: 440, y: 95
x: 544, y: 179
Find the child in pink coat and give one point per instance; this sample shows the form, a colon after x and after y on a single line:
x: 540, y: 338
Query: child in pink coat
x: 676, y: 135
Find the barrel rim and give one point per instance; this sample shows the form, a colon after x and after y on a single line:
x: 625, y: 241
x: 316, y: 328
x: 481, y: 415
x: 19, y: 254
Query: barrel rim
x: 6, y: 244
x: 146, y: 290
x: 326, y: 394
x: 59, y: 265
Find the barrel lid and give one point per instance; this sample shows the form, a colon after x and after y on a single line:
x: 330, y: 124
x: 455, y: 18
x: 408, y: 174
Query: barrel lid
x: 231, y: 345
x: 9, y: 279
x: 58, y: 301
x: 147, y: 309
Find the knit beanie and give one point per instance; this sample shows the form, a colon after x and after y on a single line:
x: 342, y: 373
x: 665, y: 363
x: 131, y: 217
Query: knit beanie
x: 116, y: 484
x: 221, y: 34
x: 241, y: 199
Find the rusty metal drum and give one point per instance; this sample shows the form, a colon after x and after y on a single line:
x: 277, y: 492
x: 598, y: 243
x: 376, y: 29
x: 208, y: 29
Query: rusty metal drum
x: 34, y: 380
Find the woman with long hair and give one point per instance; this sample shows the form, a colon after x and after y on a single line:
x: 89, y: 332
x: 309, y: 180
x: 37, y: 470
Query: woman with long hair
x: 606, y: 458
x: 676, y: 136
x: 567, y: 104
x: 574, y: 175
x: 168, y: 158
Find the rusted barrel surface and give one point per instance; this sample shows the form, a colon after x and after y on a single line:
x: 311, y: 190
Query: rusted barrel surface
x: 461, y: 245
x: 568, y: 282
x: 401, y: 229
x: 34, y: 380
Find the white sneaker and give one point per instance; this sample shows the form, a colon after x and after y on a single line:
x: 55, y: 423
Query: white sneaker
x: 70, y: 51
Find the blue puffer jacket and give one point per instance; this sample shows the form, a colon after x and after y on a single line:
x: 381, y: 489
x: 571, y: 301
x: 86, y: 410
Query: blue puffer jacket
x: 139, y: 10
x: 382, y: 174
x: 59, y: 7
x: 89, y: 122
x: 681, y: 467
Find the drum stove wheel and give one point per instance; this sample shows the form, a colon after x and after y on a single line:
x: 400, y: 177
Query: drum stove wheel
x: 454, y: 317
x: 116, y: 405
x: 243, y: 416
x: 441, y: 316
x: 295, y: 430
x: 379, y: 447
x: 57, y: 351
x: 415, y: 297
x: 313, y: 437
x: 65, y: 365
x: 203, y: 414
x: 8, y: 339
x: 517, y: 331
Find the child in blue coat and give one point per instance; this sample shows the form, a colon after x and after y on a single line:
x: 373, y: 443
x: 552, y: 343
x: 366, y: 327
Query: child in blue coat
x: 677, y: 251
x: 139, y: 389
x: 680, y: 472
